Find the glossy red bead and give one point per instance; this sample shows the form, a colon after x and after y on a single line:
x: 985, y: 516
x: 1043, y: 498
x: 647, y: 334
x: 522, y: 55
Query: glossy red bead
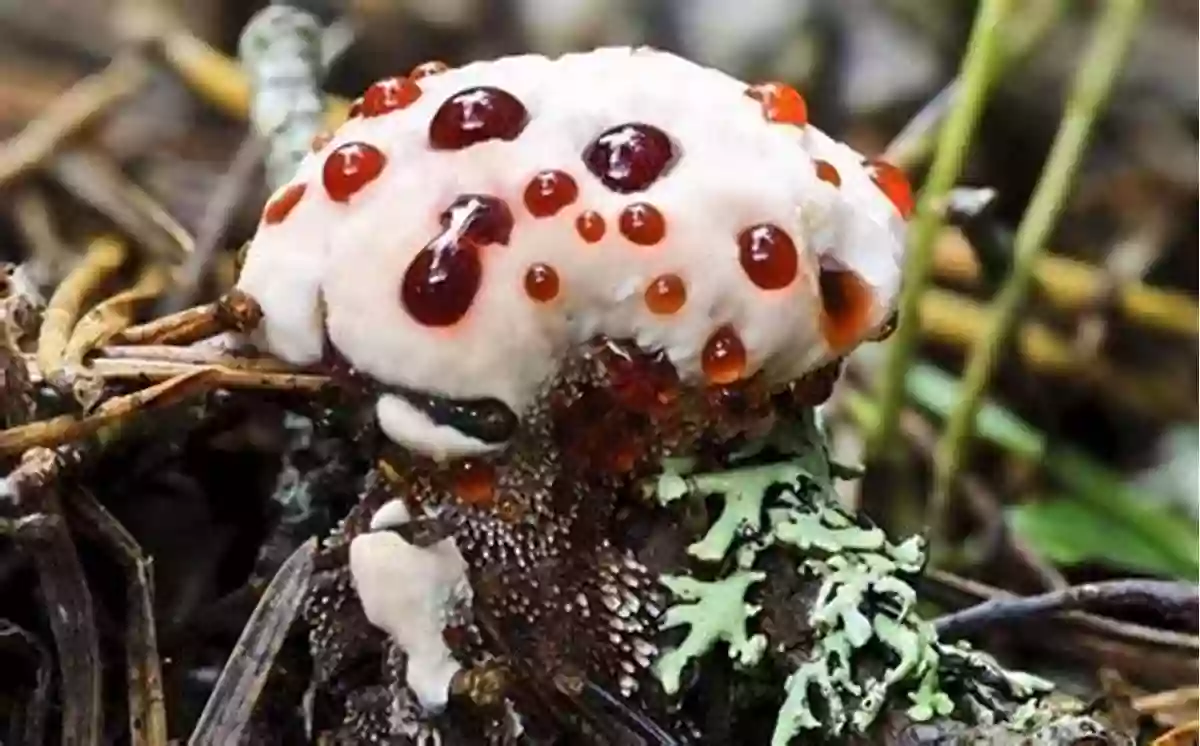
x: 630, y: 157
x: 477, y: 115
x: 768, y: 256
x: 642, y: 224
x: 349, y: 168
x: 548, y: 192
x: 282, y: 204
x: 388, y: 95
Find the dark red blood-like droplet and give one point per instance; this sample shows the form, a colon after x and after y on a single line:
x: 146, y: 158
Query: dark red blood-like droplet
x: 768, y: 256
x: 894, y: 184
x: 780, y: 103
x: 642, y: 224
x: 723, y: 358
x: 349, y: 168
x: 389, y: 94
x: 630, y: 157
x: 476, y: 115
x: 827, y: 172
x: 666, y: 294
x: 481, y: 218
x: 425, y: 69
x: 474, y: 482
x: 541, y: 283
x: 548, y: 192
x: 443, y: 279
x: 590, y: 226
x: 281, y: 206
x: 847, y: 302
x: 441, y: 283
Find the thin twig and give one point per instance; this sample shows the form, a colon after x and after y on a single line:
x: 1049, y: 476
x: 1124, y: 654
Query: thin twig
x: 233, y: 699
x: 1169, y: 598
x: 113, y: 314
x: 220, y: 81
x: 94, y: 177
x: 43, y: 532
x: 234, y: 188
x: 1069, y: 285
x: 103, y: 258
x: 70, y: 113
x: 953, y: 146
x: 1097, y: 71
x: 68, y: 428
x: 957, y: 321
x: 147, y: 705
x: 235, y: 311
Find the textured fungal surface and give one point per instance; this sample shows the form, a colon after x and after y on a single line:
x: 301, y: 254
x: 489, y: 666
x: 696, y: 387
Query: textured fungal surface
x: 471, y: 225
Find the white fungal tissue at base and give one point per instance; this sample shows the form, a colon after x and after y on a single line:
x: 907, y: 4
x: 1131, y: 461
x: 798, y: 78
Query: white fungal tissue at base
x: 409, y: 592
x: 733, y: 168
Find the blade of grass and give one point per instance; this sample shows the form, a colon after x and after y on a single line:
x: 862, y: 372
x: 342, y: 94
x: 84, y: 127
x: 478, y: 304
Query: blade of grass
x: 1097, y: 71
x: 953, y: 143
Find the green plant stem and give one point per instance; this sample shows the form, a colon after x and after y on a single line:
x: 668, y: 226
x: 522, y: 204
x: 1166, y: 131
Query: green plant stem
x: 1028, y: 25
x: 953, y: 144
x: 1093, y: 83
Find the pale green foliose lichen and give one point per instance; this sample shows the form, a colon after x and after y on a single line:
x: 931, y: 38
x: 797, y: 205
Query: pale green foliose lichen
x: 714, y: 612
x: 863, y: 607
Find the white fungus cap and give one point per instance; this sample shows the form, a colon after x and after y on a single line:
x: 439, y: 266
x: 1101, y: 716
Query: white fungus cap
x: 733, y: 168
x: 409, y: 592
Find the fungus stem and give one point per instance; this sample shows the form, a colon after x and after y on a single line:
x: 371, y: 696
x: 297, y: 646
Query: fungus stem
x: 953, y: 144
x: 1093, y: 83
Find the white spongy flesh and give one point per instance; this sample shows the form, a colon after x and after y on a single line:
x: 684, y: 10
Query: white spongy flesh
x: 734, y: 169
x: 409, y: 592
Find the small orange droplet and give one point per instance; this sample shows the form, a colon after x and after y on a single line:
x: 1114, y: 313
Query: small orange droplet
x: 590, y: 226
x: 768, y: 256
x: 894, y: 184
x: 827, y: 172
x: 642, y: 224
x: 548, y: 192
x: 847, y: 302
x: 724, y: 357
x: 541, y: 283
x: 474, y: 482
x: 281, y: 206
x: 666, y: 294
x: 780, y: 103
x: 320, y: 140
x: 388, y: 95
x: 425, y: 69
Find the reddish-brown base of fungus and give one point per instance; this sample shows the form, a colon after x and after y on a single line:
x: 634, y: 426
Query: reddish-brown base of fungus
x: 561, y: 566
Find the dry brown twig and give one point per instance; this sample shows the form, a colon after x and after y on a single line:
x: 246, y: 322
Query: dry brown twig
x: 33, y: 490
x: 235, y: 311
x: 147, y: 704
x: 103, y: 258
x: 71, y: 112
x: 114, y: 314
x: 71, y: 428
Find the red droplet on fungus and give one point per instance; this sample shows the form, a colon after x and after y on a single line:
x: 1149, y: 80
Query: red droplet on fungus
x: 630, y: 157
x: 349, y: 168
x: 281, y: 205
x: 477, y: 115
